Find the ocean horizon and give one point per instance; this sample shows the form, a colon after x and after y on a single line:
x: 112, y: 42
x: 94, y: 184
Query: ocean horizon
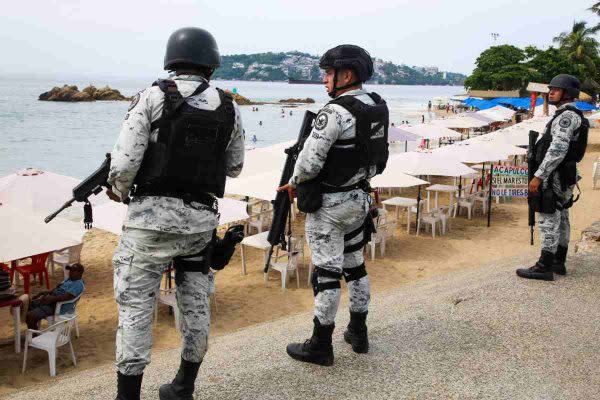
x: 72, y: 138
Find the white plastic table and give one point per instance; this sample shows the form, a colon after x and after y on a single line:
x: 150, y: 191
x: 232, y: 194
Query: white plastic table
x: 258, y: 241
x: 401, y: 202
x: 441, y: 188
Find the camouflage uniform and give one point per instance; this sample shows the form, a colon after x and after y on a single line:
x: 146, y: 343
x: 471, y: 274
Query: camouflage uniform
x: 555, y: 228
x: 340, y: 214
x: 157, y: 229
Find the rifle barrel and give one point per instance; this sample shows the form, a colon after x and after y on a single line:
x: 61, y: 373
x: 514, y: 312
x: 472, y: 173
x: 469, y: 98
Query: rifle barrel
x: 61, y: 209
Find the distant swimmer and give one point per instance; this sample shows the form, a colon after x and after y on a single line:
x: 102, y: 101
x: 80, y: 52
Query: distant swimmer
x: 290, y: 112
x: 260, y: 123
x: 422, y: 118
x: 254, y: 139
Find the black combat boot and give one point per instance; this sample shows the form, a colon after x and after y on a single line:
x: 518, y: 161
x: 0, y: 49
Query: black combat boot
x: 558, y: 266
x: 542, y: 269
x: 356, y: 333
x: 128, y: 386
x: 318, y: 349
x: 182, y: 387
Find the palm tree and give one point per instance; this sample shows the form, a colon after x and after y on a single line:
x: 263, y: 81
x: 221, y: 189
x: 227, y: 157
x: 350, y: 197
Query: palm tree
x: 580, y: 46
x: 595, y: 8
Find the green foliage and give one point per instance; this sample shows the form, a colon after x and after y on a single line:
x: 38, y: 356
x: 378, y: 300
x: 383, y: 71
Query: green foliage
x: 500, y: 68
x: 276, y: 67
x: 580, y: 46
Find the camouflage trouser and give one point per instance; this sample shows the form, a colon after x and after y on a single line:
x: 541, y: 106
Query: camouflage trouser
x: 139, y: 262
x: 341, y: 214
x: 555, y: 230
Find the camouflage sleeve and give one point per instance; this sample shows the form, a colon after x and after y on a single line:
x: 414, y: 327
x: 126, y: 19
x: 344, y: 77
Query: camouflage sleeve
x: 234, y: 154
x: 128, y: 152
x: 562, y: 130
x: 326, y: 130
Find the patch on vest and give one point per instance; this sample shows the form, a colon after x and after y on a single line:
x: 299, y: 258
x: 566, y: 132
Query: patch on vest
x: 321, y: 121
x: 565, y: 121
x: 134, y: 102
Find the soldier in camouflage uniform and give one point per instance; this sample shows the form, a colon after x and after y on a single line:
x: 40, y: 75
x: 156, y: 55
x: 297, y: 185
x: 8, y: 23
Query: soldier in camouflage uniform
x: 566, y: 134
x: 160, y: 226
x: 335, y: 232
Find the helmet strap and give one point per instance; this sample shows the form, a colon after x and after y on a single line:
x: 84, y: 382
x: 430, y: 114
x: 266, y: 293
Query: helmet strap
x: 333, y: 93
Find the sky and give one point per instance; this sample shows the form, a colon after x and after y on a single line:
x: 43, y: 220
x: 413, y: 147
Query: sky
x: 127, y: 38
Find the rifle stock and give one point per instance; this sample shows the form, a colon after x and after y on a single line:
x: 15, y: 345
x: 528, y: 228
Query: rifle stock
x: 281, y: 204
x: 532, y: 198
x: 91, y: 185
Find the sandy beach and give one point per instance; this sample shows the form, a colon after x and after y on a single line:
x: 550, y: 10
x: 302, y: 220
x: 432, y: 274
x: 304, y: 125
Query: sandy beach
x: 243, y: 301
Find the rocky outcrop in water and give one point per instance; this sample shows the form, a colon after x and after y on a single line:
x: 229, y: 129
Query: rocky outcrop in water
x: 307, y: 100
x: 72, y: 94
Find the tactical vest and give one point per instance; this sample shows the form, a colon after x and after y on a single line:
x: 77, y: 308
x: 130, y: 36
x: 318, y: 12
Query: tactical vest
x: 188, y: 158
x: 369, y: 146
x: 577, y: 144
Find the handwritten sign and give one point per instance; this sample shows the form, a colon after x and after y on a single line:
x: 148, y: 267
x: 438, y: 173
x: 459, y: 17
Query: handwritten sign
x: 508, y: 181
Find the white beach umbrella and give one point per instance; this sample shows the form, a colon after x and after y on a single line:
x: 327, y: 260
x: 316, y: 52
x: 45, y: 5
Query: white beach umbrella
x: 24, y: 234
x: 427, y: 163
x: 110, y: 216
x: 261, y: 186
x: 461, y: 122
x: 40, y: 192
x: 264, y: 159
x: 432, y: 132
x: 473, y: 152
x: 498, y: 144
x: 391, y: 178
x: 498, y: 112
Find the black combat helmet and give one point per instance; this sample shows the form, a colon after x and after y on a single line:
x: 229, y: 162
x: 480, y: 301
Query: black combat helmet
x: 569, y: 83
x: 349, y: 56
x: 192, y: 47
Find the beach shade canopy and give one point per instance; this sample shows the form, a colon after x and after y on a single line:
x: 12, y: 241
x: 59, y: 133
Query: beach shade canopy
x: 497, y: 145
x: 432, y: 132
x: 461, y: 122
x: 391, y: 178
x: 260, y: 160
x: 498, y: 112
x: 40, y: 192
x: 110, y: 216
x: 479, y: 103
x: 473, y: 152
x: 24, y: 234
x: 426, y: 163
x: 260, y: 186
x: 399, y: 134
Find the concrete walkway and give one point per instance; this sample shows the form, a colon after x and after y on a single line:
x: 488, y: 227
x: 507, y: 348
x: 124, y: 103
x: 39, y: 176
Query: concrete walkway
x: 481, y: 333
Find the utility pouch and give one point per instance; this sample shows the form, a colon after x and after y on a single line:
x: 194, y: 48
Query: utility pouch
x: 310, y: 196
x: 548, y: 201
x: 369, y: 225
x: 567, y: 173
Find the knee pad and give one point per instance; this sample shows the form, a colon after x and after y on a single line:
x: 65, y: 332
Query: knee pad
x: 319, y: 287
x: 353, y: 274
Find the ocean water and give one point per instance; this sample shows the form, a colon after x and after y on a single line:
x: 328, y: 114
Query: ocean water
x: 72, y: 138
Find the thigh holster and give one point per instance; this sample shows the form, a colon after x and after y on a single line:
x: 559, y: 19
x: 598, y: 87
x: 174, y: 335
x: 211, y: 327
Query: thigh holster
x: 320, y: 286
x: 353, y: 274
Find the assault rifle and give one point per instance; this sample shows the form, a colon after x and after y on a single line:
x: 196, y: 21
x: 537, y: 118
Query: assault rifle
x: 91, y: 185
x: 533, y: 199
x: 281, y: 205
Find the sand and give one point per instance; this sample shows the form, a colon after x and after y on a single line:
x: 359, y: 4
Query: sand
x: 245, y: 300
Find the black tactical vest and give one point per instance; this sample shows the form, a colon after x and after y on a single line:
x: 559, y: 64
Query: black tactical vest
x: 578, y: 142
x: 188, y: 158
x: 369, y: 146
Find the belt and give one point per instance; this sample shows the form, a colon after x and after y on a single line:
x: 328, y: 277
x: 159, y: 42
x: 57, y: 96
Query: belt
x: 364, y: 185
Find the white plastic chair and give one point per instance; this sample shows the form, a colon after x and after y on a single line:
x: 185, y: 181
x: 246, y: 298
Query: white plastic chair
x: 482, y: 197
x: 294, y: 252
x: 465, y: 202
x: 431, y: 220
x: 52, y: 319
x: 260, y: 220
x: 596, y: 173
x: 168, y: 297
x: 49, y: 340
x: 64, y: 257
x: 444, y: 213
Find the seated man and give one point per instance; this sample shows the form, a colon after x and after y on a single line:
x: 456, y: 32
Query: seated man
x: 43, y: 304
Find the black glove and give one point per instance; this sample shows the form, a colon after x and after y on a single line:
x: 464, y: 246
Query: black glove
x: 224, y: 248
